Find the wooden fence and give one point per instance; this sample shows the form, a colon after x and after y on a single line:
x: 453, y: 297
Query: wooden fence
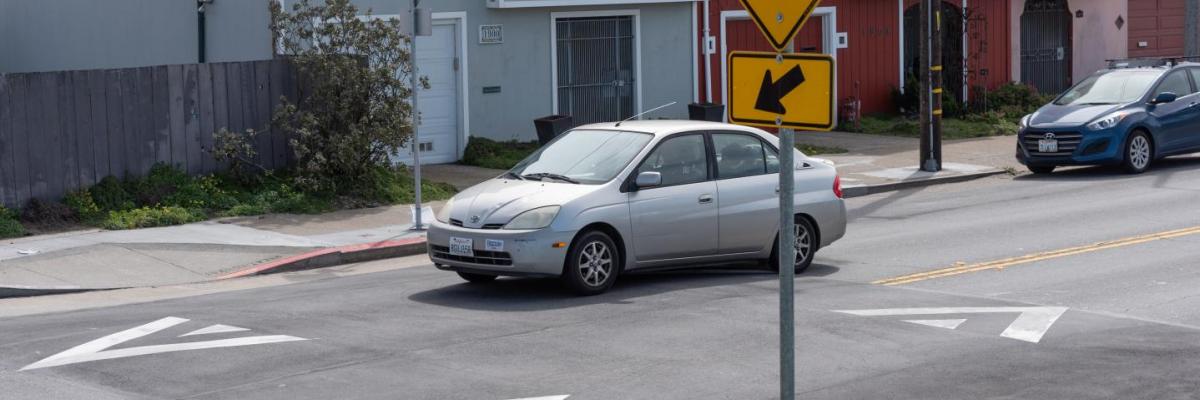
x: 62, y: 131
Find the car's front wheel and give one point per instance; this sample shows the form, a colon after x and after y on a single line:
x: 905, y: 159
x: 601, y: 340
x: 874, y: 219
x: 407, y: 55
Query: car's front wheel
x: 592, y: 264
x: 1138, y: 153
x: 805, y: 246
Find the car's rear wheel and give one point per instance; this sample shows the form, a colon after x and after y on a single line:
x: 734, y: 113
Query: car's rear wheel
x: 1138, y: 153
x: 805, y: 246
x: 477, y: 278
x: 1041, y: 169
x: 592, y: 264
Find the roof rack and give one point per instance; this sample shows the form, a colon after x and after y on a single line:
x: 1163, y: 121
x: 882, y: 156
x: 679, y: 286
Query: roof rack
x: 1149, y: 62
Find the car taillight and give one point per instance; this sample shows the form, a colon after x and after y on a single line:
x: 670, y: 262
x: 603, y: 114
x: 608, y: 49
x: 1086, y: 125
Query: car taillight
x: 837, y: 186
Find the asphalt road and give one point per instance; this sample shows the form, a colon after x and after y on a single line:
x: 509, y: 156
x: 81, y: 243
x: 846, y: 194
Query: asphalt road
x: 1116, y: 320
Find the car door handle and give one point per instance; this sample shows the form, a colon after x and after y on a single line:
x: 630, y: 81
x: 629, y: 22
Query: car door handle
x: 777, y: 190
x: 706, y: 198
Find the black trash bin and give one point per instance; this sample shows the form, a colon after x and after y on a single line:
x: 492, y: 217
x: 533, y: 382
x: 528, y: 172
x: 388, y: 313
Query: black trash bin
x: 712, y: 112
x: 549, y: 127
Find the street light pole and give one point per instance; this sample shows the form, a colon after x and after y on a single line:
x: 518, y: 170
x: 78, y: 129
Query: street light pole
x: 418, y: 26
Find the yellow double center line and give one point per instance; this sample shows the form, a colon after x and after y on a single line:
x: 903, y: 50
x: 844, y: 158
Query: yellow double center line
x: 1008, y: 262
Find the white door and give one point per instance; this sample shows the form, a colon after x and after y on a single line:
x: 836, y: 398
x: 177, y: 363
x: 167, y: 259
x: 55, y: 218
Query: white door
x: 439, y: 105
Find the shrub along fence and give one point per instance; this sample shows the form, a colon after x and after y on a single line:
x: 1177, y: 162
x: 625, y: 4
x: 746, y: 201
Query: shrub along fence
x: 63, y: 131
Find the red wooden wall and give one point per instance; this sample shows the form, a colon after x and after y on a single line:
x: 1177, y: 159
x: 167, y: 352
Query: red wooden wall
x: 1158, y: 23
x: 873, y: 57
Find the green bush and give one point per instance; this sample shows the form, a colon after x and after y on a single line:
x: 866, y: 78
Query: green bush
x: 395, y: 186
x: 110, y: 194
x: 84, y: 205
x: 47, y: 213
x: 1015, y: 100
x: 282, y: 198
x: 487, y: 153
x: 353, y: 115
x: 149, y: 217
x: 204, y: 192
x: 9, y: 226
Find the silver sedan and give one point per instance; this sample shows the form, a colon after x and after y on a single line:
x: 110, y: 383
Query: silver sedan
x: 605, y: 199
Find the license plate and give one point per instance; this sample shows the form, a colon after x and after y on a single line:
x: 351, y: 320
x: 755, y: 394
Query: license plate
x: 462, y: 247
x: 1048, y: 146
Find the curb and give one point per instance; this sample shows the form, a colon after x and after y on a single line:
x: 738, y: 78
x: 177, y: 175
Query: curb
x: 333, y: 256
x: 29, y: 291
x: 327, y: 257
x: 859, y: 191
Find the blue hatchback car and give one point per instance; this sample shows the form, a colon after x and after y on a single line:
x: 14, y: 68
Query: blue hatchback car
x: 1130, y: 115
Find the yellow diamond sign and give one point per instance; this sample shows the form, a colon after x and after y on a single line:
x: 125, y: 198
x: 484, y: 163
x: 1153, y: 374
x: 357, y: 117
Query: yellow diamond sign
x: 781, y: 90
x: 779, y: 20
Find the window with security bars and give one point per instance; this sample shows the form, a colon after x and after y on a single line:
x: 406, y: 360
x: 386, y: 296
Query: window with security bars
x: 596, y: 71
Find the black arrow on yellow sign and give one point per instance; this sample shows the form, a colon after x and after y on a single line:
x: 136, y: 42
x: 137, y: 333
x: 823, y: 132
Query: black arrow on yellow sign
x: 772, y: 92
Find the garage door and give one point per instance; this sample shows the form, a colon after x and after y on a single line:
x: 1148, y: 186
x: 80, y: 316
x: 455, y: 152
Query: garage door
x: 440, y: 123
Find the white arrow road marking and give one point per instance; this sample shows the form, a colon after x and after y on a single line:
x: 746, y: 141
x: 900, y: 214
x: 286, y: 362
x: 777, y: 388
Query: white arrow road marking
x: 1030, y: 326
x: 96, y: 350
x: 559, y: 397
x: 938, y: 323
x: 214, y: 329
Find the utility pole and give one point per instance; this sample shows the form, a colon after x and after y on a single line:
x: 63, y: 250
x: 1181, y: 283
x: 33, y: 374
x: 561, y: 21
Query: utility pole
x: 1191, y: 34
x: 931, y: 89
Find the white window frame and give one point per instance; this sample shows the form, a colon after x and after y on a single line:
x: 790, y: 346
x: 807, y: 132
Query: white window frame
x: 637, y: 50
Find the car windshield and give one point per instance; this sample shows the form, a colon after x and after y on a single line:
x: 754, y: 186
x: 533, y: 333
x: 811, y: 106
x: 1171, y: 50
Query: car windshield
x: 583, y: 156
x: 1110, y: 88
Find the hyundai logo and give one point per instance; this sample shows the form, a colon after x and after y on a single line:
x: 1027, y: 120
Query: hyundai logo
x: 474, y: 219
x: 1049, y: 136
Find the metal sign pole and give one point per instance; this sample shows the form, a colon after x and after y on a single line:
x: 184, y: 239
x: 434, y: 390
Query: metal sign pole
x: 787, y: 262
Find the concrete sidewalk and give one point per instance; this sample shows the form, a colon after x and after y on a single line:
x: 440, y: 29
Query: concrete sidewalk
x: 876, y: 163
x: 95, y: 259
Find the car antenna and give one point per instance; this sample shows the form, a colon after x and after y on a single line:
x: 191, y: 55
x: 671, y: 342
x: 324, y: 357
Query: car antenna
x: 647, y: 112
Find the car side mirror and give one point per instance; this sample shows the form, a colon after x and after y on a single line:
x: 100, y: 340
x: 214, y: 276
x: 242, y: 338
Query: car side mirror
x: 648, y: 179
x: 1165, y: 97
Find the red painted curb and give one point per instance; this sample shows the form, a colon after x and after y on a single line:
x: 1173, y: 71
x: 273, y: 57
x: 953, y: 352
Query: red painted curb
x: 300, y: 258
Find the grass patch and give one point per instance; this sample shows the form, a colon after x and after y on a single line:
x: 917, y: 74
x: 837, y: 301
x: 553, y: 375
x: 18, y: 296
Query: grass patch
x: 168, y: 196
x: 812, y: 149
x: 487, y: 153
x: 973, y: 126
x: 10, y: 227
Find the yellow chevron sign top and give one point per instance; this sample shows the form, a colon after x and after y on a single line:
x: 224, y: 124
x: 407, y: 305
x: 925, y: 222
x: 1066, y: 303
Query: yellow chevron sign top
x: 779, y: 20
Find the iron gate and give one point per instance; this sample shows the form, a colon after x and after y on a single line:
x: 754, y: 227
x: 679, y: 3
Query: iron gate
x: 1046, y: 45
x: 596, y: 71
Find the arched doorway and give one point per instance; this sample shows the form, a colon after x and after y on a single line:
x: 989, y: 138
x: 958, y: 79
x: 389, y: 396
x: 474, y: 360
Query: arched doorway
x: 952, y: 46
x: 1046, y: 45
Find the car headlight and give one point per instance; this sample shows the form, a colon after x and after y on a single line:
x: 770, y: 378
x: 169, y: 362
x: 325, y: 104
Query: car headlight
x: 443, y: 215
x: 1108, y: 121
x: 1025, y: 120
x: 537, y: 218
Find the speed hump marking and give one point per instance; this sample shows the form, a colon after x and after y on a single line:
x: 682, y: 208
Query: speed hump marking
x: 781, y: 90
x: 779, y: 20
